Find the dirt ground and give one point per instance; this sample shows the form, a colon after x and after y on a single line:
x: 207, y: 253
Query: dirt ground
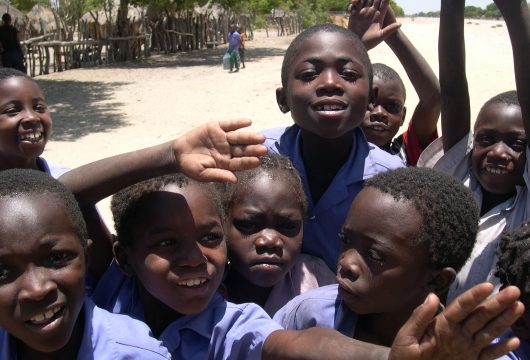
x: 98, y: 112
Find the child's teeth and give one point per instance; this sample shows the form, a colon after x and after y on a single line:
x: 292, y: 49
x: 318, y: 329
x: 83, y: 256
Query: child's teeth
x: 192, y: 282
x: 46, y: 315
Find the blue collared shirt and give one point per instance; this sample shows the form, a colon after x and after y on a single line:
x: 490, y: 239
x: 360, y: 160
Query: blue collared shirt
x: 221, y: 331
x: 325, y: 219
x: 106, y: 336
x: 321, y: 307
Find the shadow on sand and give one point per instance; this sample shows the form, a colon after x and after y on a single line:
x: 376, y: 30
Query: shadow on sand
x: 79, y: 108
x: 203, y: 57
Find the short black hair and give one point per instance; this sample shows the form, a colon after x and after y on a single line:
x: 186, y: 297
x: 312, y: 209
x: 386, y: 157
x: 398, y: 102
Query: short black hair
x: 294, y: 48
x: 513, y: 266
x: 128, y: 203
x: 16, y: 183
x: 386, y: 73
x: 449, y: 211
x: 508, y: 98
x: 6, y: 18
x: 275, y: 166
x: 6, y: 73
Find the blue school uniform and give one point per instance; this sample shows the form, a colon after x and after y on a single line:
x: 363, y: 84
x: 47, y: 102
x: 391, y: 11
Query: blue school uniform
x: 221, y: 331
x: 54, y: 171
x: 522, y: 353
x: 321, y: 307
x: 106, y: 336
x: 325, y: 219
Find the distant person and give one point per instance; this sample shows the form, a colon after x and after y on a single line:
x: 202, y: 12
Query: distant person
x: 12, y: 55
x: 233, y: 48
x: 242, y: 38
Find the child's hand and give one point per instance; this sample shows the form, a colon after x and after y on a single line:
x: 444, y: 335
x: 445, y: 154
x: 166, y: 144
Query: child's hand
x: 464, y: 330
x: 369, y: 21
x: 211, y: 152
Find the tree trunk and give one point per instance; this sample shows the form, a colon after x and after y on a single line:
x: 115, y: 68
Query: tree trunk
x: 58, y: 36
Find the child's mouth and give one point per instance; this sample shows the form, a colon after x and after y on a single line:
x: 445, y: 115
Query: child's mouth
x: 32, y: 135
x: 495, y: 171
x: 46, y: 318
x: 192, y: 283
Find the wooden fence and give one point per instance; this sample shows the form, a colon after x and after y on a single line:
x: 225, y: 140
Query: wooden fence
x: 44, y: 56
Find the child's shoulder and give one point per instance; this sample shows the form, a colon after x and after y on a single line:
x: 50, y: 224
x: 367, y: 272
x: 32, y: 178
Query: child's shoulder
x: 222, y: 330
x: 117, y: 336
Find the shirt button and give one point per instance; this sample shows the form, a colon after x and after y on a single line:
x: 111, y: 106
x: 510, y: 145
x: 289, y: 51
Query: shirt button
x: 313, y: 217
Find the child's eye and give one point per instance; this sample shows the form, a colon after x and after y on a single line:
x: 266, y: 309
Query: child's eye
x: 393, y: 108
x: 11, y: 111
x: 166, y: 242
x: 518, y: 145
x: 375, y: 256
x: 349, y: 75
x: 212, y: 239
x: 289, y: 227
x: 484, y: 140
x: 60, y: 258
x: 246, y: 226
x: 308, y: 75
x: 4, y: 273
x: 41, y: 108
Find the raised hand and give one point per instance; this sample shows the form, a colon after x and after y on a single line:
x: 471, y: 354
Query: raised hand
x: 368, y: 21
x: 464, y: 330
x: 213, y: 151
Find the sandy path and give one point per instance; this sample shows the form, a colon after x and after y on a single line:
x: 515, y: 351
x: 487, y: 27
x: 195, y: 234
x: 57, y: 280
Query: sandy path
x: 99, y: 112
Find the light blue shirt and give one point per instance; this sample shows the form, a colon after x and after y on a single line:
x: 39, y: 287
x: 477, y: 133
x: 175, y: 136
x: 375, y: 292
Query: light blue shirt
x: 233, y: 41
x: 54, y: 171
x: 221, y: 331
x: 522, y: 353
x: 106, y: 336
x: 325, y: 219
x: 321, y: 307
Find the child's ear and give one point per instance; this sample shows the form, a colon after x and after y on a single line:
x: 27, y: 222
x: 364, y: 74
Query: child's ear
x: 441, y: 280
x: 282, y: 100
x: 404, y: 115
x: 122, y: 258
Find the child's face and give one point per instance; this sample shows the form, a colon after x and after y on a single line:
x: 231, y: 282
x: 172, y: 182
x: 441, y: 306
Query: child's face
x: 42, y: 271
x: 379, y: 270
x: 25, y: 122
x: 498, y: 157
x: 179, y: 252
x: 328, y: 86
x: 382, y: 123
x: 265, y: 231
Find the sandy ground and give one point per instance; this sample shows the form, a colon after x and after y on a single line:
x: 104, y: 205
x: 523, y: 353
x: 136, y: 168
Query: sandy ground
x: 99, y: 112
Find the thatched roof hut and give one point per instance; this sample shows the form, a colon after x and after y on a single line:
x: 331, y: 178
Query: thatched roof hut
x: 41, y: 20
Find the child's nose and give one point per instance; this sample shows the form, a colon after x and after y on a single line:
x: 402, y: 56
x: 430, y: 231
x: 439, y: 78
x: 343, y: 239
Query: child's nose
x: 29, y: 116
x: 36, y: 285
x: 193, y: 256
x: 349, y: 265
x: 500, y: 151
x: 330, y: 80
x: 269, y: 239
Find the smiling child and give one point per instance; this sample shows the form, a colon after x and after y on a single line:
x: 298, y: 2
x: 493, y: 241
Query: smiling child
x: 43, y: 310
x: 492, y: 161
x: 266, y: 211
x: 326, y: 85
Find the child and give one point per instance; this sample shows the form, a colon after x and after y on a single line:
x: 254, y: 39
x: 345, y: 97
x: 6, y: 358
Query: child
x: 43, y: 310
x: 388, y: 114
x: 406, y: 234
x: 492, y: 162
x: 513, y: 268
x: 233, y: 47
x: 326, y: 85
x: 242, y: 39
x: 266, y: 213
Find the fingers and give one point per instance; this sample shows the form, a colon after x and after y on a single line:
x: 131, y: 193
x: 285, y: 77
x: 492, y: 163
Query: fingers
x: 390, y: 29
x: 217, y: 175
x: 419, y: 321
x: 499, y: 324
x: 234, y: 124
x: 497, y: 350
x: 248, y: 150
x: 463, y: 306
x: 491, y: 309
x: 244, y: 138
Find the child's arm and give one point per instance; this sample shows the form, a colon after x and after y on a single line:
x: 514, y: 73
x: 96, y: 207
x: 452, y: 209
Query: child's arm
x: 464, y: 330
x: 456, y: 115
x: 426, y: 113
x: 210, y: 152
x: 516, y: 15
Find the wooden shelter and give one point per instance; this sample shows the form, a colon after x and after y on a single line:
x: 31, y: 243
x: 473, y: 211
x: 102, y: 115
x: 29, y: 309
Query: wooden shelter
x: 41, y: 21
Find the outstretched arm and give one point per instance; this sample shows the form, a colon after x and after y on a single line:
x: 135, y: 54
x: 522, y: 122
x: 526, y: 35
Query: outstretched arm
x: 516, y: 15
x: 210, y: 152
x: 425, y: 82
x: 456, y: 114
